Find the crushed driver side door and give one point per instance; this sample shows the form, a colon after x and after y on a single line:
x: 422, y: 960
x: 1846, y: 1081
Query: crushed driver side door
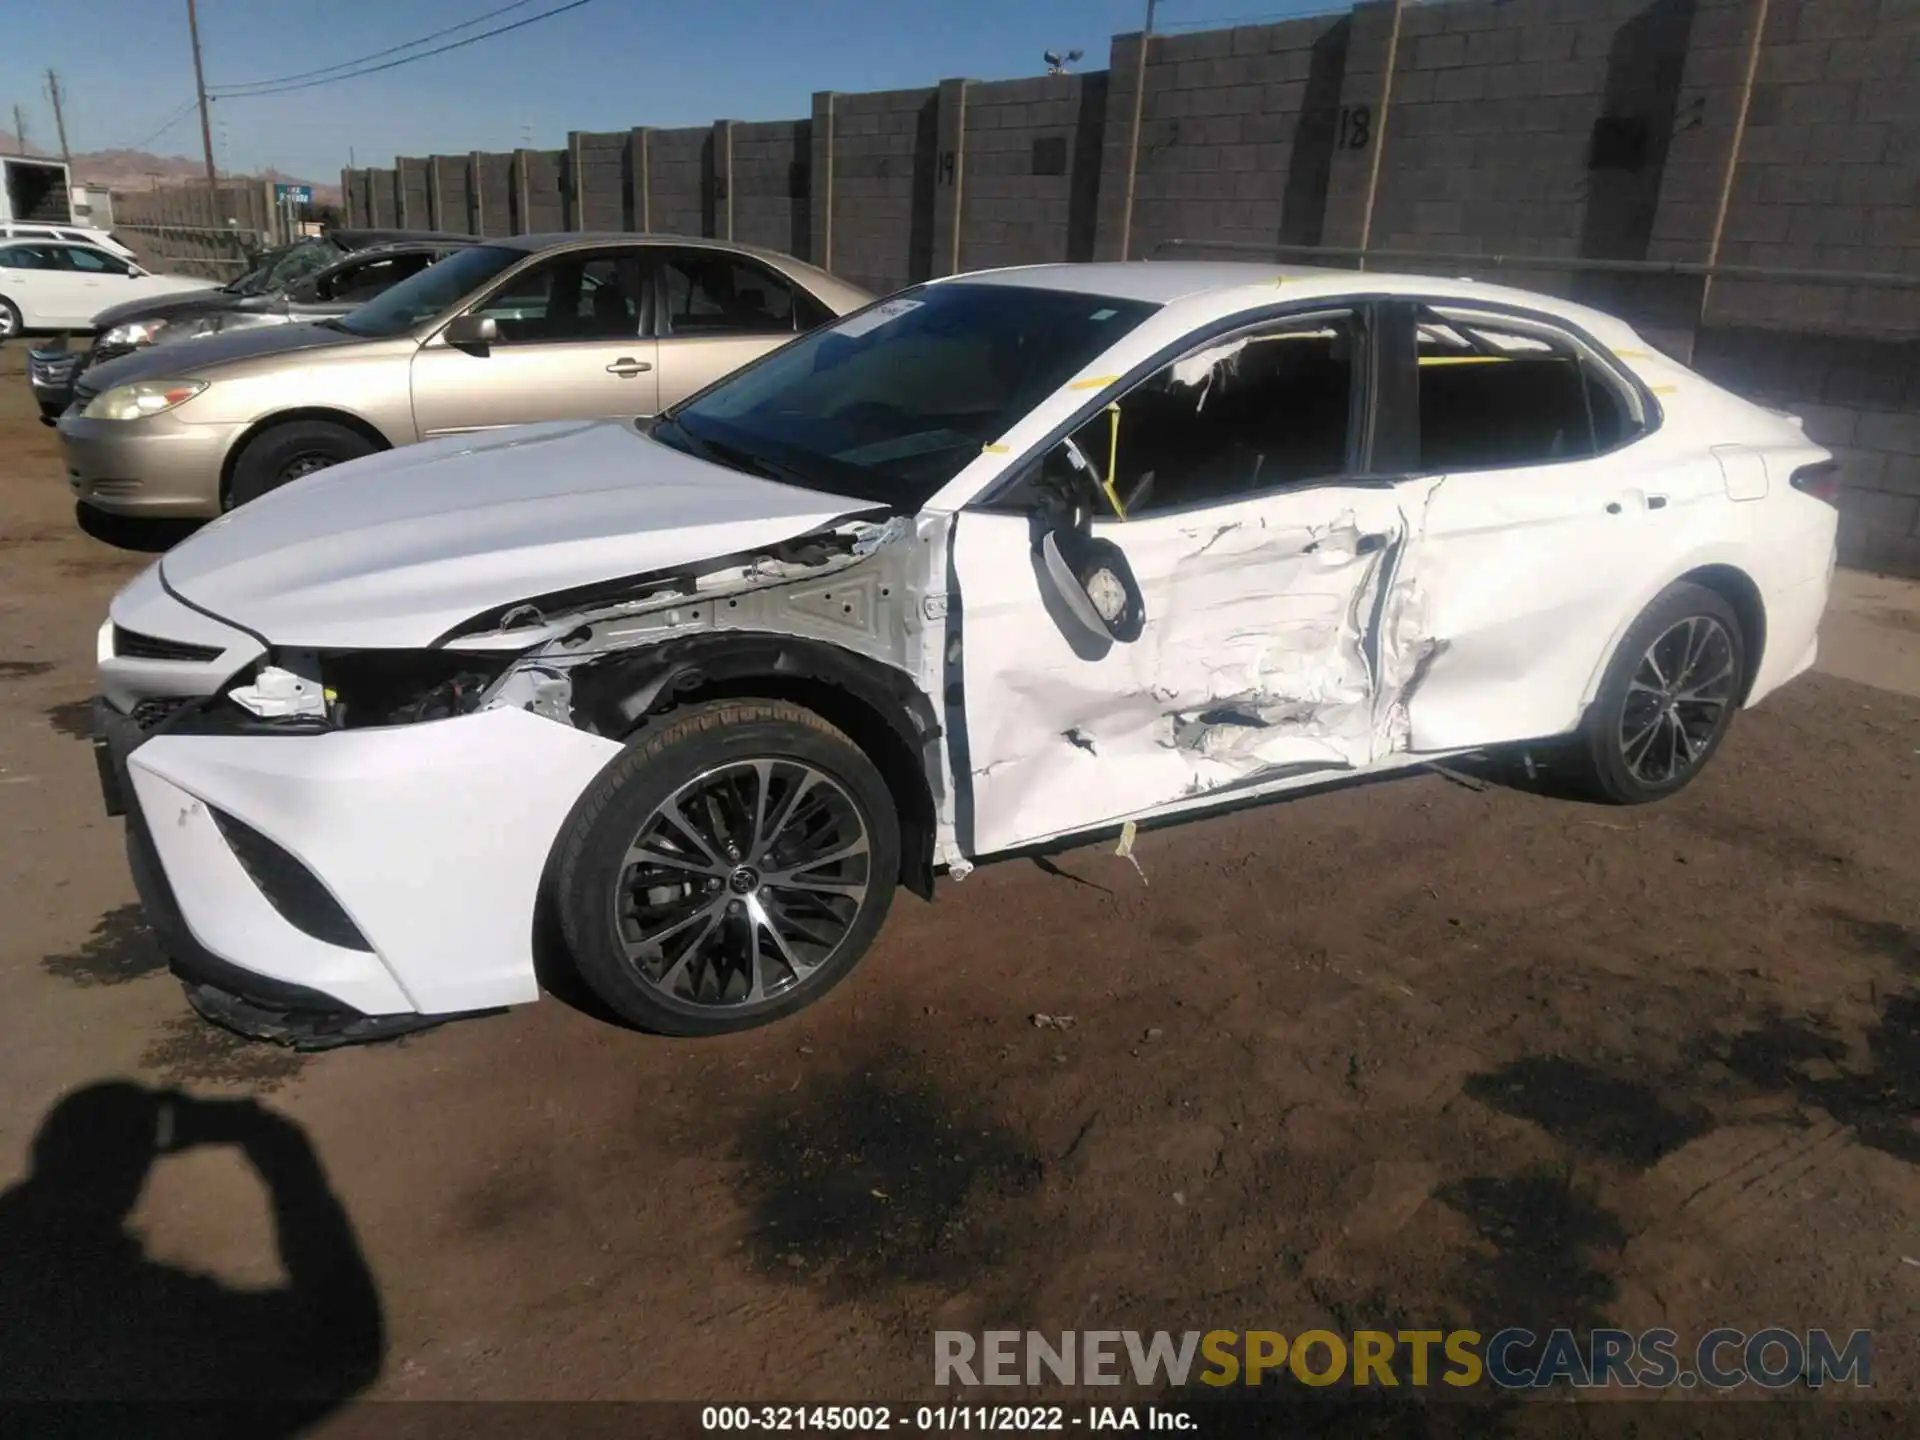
x: 1252, y: 579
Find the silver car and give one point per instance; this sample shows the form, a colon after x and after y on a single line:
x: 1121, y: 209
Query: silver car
x: 537, y: 327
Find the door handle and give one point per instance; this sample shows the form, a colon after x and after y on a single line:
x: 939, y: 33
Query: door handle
x: 1656, y: 502
x: 626, y: 367
x: 1367, y: 544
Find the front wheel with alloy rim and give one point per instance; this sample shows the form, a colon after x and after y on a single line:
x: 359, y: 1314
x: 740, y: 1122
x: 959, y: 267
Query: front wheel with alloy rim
x: 728, y: 868
x: 1667, y: 698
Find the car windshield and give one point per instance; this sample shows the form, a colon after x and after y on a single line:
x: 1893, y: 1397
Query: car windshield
x: 280, y: 268
x: 891, y: 403
x: 423, y: 295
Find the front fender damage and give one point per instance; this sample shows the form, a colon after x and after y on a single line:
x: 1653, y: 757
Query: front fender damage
x: 838, y: 614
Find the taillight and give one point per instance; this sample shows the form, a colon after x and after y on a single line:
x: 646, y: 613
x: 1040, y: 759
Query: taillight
x: 1821, y: 481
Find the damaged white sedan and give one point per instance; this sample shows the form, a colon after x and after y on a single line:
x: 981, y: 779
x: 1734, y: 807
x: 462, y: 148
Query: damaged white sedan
x: 1007, y: 558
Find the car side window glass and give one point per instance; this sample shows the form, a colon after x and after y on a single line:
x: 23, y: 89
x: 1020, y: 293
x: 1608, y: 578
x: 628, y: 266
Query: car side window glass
x: 1493, y: 397
x: 1249, y: 413
x: 710, y: 293
x: 93, y: 262
x: 352, y: 284
x: 572, y: 297
x: 28, y: 257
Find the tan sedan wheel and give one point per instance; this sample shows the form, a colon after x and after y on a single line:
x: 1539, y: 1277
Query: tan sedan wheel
x: 285, y: 453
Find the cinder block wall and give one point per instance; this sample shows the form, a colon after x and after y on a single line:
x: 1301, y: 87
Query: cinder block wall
x: 1594, y: 129
x: 495, y: 188
x: 1031, y: 154
x: 410, y: 191
x: 882, y: 195
x: 543, y: 206
x: 449, y: 180
x: 597, y: 180
x: 682, y: 180
x: 383, y: 207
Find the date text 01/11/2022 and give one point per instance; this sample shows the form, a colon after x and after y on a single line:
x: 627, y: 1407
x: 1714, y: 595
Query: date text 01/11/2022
x: 989, y: 1419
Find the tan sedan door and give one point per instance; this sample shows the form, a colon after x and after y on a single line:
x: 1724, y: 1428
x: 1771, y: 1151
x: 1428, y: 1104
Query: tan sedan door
x: 714, y: 310
x: 570, y: 348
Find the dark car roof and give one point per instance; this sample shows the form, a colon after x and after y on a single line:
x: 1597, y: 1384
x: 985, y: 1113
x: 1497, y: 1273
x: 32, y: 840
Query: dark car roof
x: 367, y: 239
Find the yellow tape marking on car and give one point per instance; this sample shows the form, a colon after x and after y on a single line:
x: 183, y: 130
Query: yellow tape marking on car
x: 1113, y: 460
x: 1464, y: 359
x: 995, y: 449
x: 1095, y: 382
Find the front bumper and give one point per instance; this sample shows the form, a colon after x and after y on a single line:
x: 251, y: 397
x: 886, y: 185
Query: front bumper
x: 158, y: 466
x: 433, y: 839
x: 51, y: 375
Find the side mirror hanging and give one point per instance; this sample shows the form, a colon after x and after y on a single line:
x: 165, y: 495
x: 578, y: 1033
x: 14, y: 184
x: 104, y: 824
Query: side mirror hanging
x: 1096, y: 585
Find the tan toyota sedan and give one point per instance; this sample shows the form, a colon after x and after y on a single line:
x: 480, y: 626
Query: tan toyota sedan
x: 537, y: 327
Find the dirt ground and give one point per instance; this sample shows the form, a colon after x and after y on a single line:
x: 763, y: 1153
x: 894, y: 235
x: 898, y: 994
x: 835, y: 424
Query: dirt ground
x: 1423, y: 1053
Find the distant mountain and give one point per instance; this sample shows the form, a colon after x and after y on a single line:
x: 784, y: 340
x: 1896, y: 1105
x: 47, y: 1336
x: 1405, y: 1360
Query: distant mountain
x: 141, y: 170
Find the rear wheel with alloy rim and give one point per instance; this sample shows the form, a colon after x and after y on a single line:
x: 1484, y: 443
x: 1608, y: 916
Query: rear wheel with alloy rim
x: 729, y: 868
x: 1668, y: 697
x: 10, y: 323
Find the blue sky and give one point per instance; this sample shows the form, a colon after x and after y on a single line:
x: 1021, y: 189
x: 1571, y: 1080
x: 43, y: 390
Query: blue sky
x: 126, y: 66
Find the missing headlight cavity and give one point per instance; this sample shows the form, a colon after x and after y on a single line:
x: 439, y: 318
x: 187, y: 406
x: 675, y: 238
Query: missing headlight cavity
x: 402, y: 687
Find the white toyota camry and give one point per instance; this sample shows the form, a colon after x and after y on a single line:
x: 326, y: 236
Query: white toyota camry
x: 1003, y: 559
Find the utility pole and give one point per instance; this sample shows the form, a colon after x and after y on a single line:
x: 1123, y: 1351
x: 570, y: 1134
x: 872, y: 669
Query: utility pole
x: 20, y: 128
x: 1133, y: 138
x: 59, y: 117
x: 200, y: 87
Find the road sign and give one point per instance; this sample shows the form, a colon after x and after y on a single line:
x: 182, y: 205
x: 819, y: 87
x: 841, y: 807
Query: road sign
x: 296, y: 194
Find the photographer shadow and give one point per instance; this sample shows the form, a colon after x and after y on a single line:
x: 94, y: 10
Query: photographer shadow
x: 91, y: 1329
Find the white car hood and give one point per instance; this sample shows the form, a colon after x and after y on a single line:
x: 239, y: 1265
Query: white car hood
x: 395, y: 550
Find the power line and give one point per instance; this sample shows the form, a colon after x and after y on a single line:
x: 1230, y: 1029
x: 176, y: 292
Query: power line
x: 376, y: 55
x: 409, y: 59
x: 165, y: 125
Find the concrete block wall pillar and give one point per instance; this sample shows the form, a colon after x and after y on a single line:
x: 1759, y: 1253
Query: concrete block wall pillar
x: 639, y: 206
x: 723, y: 179
x: 949, y: 180
x: 1119, y: 151
x: 476, y: 194
x: 820, y: 171
x: 521, y: 185
x: 1361, y: 127
x: 573, y: 190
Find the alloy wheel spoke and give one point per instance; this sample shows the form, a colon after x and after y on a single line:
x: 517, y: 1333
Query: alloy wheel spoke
x: 651, y: 941
x: 644, y: 854
x: 695, y: 947
x: 672, y: 812
x: 789, y: 807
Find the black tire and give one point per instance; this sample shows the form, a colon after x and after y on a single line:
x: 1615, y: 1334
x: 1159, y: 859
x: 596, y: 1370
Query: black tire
x: 1614, y: 763
x: 11, y: 324
x: 286, y: 452
x: 716, y: 744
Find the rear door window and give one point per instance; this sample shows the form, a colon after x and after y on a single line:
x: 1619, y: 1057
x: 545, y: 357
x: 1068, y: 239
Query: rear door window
x: 709, y: 292
x: 1495, y: 393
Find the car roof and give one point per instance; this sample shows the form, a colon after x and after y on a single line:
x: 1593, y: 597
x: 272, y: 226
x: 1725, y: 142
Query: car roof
x: 367, y: 239
x: 1212, y: 288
